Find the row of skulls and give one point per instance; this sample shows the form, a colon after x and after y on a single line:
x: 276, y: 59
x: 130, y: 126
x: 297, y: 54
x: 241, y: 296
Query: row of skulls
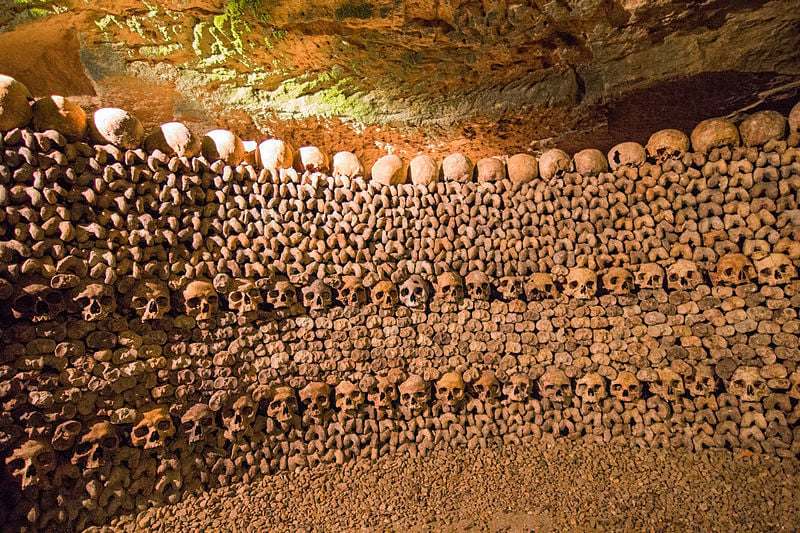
x: 35, y: 299
x: 412, y: 395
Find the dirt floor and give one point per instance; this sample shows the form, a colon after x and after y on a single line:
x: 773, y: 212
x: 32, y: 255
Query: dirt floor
x: 569, y: 487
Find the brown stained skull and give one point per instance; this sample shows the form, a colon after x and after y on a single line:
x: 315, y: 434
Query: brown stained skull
x: 775, y: 269
x: 383, y: 394
x: 201, y: 299
x: 668, y: 385
x: 97, y: 447
x: 153, y: 430
x: 415, y: 292
x: 349, y: 399
x: 591, y: 388
x: 449, y: 287
x: 478, y: 286
x: 239, y: 417
x: 581, y: 283
x: 734, y: 269
x: 683, y: 275
x: 316, y: 399
x: 385, y: 294
x: 35, y: 301
x: 414, y: 396
x: 317, y: 296
x: 150, y: 299
x: 244, y: 296
x: 626, y: 387
x: 96, y: 300
x: 747, y: 384
x: 714, y: 133
x: 702, y: 382
x: 197, y: 423
x: 283, y: 405
x: 65, y: 434
x: 487, y: 387
x: 352, y: 291
x: 618, y: 281
x: 555, y: 386
x: 282, y: 295
x: 511, y: 288
x: 540, y: 286
x: 649, y: 276
x: 667, y: 143
x: 518, y: 388
x: 32, y: 463
x: 451, y: 392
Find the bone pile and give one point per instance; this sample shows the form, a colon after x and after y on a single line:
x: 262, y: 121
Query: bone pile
x: 181, y: 313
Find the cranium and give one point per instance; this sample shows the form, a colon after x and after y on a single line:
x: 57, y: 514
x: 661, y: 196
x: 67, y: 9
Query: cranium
x: 626, y: 154
x: 116, y: 126
x: 173, y: 138
x: 510, y: 288
x: 701, y: 382
x: 457, y: 167
x: 589, y: 162
x: 389, y: 170
x: 318, y: 295
x: 35, y: 301
x: 626, y: 387
x: 747, y: 384
x: 58, y: 113
x: 197, y: 422
x: 415, y: 292
x: 65, y: 434
x: 581, y: 283
x: 244, y: 296
x: 555, y: 386
x: 683, y: 275
x: 353, y: 291
x: 649, y: 276
x: 618, y: 281
x: 668, y: 385
x: 153, y: 429
x: 310, y: 159
x: 478, y: 286
x: 714, y: 133
x: 96, y: 299
x: 591, y: 388
x: 540, y: 287
x: 553, y: 162
x: 349, y: 398
x: 734, y: 269
x: 423, y: 170
x: 522, y: 168
x: 316, y: 398
x: 414, y: 395
x: 775, y: 269
x: 150, y: 299
x: 201, y: 300
x: 283, y: 404
x: 223, y: 145
x: 383, y: 394
x: 518, y: 388
x: 347, y: 164
x: 282, y: 295
x: 385, y: 295
x: 449, y: 287
x: 15, y: 107
x: 32, y: 464
x: 97, y: 447
x: 487, y: 387
x: 239, y: 417
x: 762, y: 127
x: 451, y: 391
x: 667, y: 143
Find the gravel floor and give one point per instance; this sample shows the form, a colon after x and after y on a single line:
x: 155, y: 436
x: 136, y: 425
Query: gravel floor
x: 570, y: 487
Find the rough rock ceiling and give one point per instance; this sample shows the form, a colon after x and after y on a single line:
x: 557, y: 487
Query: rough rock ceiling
x: 482, y: 77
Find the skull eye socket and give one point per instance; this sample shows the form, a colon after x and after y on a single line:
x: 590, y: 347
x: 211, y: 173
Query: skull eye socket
x: 138, y: 301
x: 212, y: 300
x: 24, y: 302
x: 194, y: 302
x: 140, y: 431
x: 164, y: 425
x: 573, y: 284
x: 254, y: 293
x: 82, y: 301
x: 673, y: 277
x: 109, y: 442
x: 236, y: 296
x: 187, y: 426
x: 247, y: 411
x: 404, y: 292
x: 418, y: 291
x: 83, y: 448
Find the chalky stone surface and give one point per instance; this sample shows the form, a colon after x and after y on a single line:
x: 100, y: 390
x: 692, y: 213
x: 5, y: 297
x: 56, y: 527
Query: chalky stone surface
x: 567, y: 487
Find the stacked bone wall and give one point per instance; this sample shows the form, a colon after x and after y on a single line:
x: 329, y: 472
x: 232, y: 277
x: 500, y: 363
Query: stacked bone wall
x: 173, y: 324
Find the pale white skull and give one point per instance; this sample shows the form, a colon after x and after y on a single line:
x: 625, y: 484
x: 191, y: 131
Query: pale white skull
x: 32, y: 463
x: 451, y: 391
x: 97, y: 448
x: 487, y: 387
x: 150, y: 299
x: 626, y: 387
x: 555, y: 386
x: 581, y: 283
x: 282, y: 295
x: 385, y: 294
x: 518, y: 388
x: 244, y: 296
x: 153, y: 430
x: 510, y: 288
x: 197, y: 423
x: 701, y: 382
x: 316, y: 399
x: 449, y: 287
x: 96, y: 300
x: 747, y: 384
x: 318, y: 295
x: 683, y: 275
x: 283, y: 404
x: 201, y: 300
x: 478, y: 286
x: 649, y: 276
x: 618, y: 281
x: 591, y: 388
x: 347, y: 164
x: 734, y: 269
x: 349, y: 398
x: 541, y: 286
x: 775, y: 269
x: 668, y: 385
x: 415, y: 292
x: 238, y: 417
x: 414, y: 395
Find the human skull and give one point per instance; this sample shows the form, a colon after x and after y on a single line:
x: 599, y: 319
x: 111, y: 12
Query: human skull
x: 714, y: 133
x: 389, y: 170
x: 589, y: 162
x: 347, y: 164
x: 540, y: 287
x: 414, y: 395
x: 153, y: 429
x: 150, y: 299
x: 734, y: 269
x: 353, y: 291
x: 591, y: 388
x: 35, y: 301
x: 423, y: 170
x: 97, y: 447
x: 283, y: 404
x: 96, y: 300
x: 239, y: 417
x: 762, y: 127
x: 626, y: 154
x: 349, y: 398
x: 15, y: 107
x: 415, y: 292
x: 649, y: 276
x: 385, y: 294
x: 487, y: 387
x: 510, y: 288
x: 668, y: 385
x: 683, y: 275
x: 449, y: 287
x: 383, y: 394
x: 775, y: 269
x: 518, y: 388
x: 244, y: 296
x: 667, y: 143
x: 626, y: 387
x: 65, y: 434
x: 618, y: 281
x: 522, y: 168
x: 201, y: 300
x: 478, y: 286
x: 451, y: 391
x: 223, y: 145
x: 581, y: 283
x: 282, y: 295
x: 310, y: 159
x: 316, y: 398
x: 553, y: 162
x: 318, y: 295
x: 701, y: 382
x: 116, y: 126
x: 32, y: 463
x: 747, y: 384
x: 197, y: 422
x: 555, y: 386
